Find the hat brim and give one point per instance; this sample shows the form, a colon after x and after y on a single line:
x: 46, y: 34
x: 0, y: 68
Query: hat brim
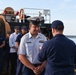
x: 35, y: 23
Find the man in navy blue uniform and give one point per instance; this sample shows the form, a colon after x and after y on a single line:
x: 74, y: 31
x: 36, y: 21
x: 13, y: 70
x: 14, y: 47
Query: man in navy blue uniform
x: 19, y: 64
x: 2, y: 44
x: 7, y: 51
x: 23, y: 31
x: 59, y: 52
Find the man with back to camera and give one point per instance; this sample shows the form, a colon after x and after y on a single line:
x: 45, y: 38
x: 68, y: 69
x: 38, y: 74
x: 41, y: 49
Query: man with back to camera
x: 30, y: 46
x: 59, y: 52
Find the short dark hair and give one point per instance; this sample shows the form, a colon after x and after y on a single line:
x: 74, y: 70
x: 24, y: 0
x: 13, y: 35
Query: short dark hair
x: 23, y: 28
x: 16, y: 27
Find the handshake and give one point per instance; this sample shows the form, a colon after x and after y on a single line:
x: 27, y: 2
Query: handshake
x: 38, y: 70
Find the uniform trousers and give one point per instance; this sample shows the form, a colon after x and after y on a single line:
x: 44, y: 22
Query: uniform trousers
x: 1, y: 60
x: 13, y: 61
x: 19, y: 67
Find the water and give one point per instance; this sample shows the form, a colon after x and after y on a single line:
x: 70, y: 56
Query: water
x: 73, y: 39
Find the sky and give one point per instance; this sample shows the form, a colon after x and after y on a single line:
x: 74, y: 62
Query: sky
x: 64, y: 10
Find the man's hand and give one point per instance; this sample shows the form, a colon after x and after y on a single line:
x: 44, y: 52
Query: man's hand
x: 38, y: 70
x: 15, y: 48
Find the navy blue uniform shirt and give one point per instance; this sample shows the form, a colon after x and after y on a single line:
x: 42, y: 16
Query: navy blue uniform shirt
x: 19, y: 37
x: 1, y: 39
x: 1, y: 53
x: 19, y: 64
x: 7, y: 48
x: 59, y: 53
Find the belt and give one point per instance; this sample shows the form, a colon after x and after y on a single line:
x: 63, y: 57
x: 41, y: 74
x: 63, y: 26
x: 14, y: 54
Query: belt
x: 37, y: 65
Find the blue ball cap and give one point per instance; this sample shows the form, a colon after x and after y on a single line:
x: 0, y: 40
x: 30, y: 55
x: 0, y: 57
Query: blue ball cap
x: 57, y: 24
x: 23, y: 28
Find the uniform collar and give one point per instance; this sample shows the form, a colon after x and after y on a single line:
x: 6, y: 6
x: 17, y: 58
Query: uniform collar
x: 30, y: 36
x: 59, y: 35
x: 38, y: 36
x: 16, y: 33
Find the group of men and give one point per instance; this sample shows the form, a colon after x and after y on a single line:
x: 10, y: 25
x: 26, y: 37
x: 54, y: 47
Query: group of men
x: 8, y: 50
x: 56, y: 56
x: 39, y: 56
x: 14, y: 41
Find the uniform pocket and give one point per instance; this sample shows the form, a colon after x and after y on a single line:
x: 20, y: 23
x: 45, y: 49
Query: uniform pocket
x: 29, y: 47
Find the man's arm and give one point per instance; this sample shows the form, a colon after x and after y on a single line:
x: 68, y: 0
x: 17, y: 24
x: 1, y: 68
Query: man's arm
x: 18, y: 41
x: 25, y: 61
x: 43, y: 65
x: 3, y: 44
x: 38, y: 70
x: 11, y: 44
x: 17, y: 46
